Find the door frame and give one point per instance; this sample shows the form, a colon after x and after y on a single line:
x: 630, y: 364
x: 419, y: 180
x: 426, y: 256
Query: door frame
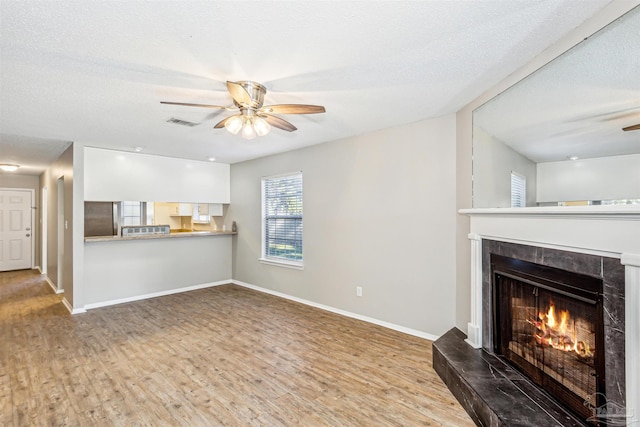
x: 60, y: 225
x: 32, y: 218
x: 44, y: 229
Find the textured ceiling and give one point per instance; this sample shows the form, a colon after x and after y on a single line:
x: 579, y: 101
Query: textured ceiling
x: 95, y: 71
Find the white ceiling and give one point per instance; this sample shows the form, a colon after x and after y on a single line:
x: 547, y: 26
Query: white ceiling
x: 95, y: 71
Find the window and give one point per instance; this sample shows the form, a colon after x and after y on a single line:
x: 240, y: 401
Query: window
x: 282, y: 220
x: 518, y: 190
x: 136, y: 213
x: 131, y: 213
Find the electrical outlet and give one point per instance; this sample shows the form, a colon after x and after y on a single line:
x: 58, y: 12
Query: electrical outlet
x: 358, y: 291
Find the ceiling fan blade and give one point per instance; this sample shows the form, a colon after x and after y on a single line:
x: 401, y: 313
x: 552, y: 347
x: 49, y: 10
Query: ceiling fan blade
x: 187, y: 104
x: 293, y: 109
x: 632, y: 127
x: 239, y: 94
x: 222, y: 122
x: 278, y: 122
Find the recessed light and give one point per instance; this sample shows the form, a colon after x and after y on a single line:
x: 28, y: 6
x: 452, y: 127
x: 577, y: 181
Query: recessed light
x: 9, y: 167
x: 212, y: 159
x: 138, y: 149
x: 573, y: 158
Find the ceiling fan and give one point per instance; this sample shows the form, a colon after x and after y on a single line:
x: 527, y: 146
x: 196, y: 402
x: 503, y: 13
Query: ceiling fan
x: 632, y: 127
x: 254, y: 118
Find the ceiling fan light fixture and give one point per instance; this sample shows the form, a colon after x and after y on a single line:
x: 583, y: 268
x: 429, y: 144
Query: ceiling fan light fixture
x: 254, y: 118
x: 234, y: 124
x: 9, y: 167
x: 261, y: 126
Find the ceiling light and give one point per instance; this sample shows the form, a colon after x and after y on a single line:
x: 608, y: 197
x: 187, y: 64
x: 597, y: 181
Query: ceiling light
x: 248, y: 131
x: 573, y: 158
x: 138, y: 149
x: 212, y: 159
x: 9, y: 167
x: 261, y: 126
x: 234, y: 124
x: 250, y: 124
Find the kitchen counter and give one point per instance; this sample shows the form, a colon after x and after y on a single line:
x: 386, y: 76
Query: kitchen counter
x: 172, y: 235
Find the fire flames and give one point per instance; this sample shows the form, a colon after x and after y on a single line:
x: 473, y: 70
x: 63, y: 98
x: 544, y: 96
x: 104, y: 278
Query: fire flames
x: 554, y: 330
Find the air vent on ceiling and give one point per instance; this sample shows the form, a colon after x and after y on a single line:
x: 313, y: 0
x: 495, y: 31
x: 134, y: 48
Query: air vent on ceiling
x: 181, y: 122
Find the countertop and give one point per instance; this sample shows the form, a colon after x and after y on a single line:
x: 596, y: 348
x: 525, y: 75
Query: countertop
x: 173, y: 235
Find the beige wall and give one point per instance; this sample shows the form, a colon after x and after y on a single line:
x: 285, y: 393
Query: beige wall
x: 379, y: 212
x: 61, y: 168
x: 493, y: 162
x: 30, y: 182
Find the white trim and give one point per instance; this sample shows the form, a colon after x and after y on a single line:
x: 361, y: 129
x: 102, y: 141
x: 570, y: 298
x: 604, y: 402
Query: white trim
x: 474, y: 327
x: 382, y: 323
x: 53, y: 286
x: 263, y: 231
x: 33, y: 227
x: 282, y: 263
x: 155, y: 294
x: 279, y: 175
x: 44, y: 228
x: 631, y: 263
x: 32, y: 216
x: 617, y: 212
x: 71, y: 309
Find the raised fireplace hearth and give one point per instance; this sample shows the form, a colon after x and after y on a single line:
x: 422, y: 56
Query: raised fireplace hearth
x: 600, y: 337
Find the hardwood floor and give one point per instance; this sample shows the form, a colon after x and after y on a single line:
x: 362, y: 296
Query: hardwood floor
x: 219, y: 356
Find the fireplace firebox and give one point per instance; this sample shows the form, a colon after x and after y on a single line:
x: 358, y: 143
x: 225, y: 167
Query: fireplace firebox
x: 548, y: 323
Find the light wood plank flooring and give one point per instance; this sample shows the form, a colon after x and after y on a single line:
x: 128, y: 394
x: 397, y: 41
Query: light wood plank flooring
x: 224, y: 356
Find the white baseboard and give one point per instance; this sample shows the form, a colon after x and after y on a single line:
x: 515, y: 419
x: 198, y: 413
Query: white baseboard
x: 382, y: 323
x: 53, y: 286
x: 71, y: 309
x: 155, y: 294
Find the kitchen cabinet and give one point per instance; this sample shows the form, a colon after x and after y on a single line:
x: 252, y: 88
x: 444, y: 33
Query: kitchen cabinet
x: 118, y: 175
x: 211, y: 209
x: 180, y: 209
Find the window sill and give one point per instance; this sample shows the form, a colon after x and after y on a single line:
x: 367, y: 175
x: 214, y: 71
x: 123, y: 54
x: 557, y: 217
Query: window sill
x: 282, y: 263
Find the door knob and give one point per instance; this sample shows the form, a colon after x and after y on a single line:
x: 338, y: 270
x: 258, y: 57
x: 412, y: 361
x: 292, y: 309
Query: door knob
x: 28, y: 234
x: 28, y: 228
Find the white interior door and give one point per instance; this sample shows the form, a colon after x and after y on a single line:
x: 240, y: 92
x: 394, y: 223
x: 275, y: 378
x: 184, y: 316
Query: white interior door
x: 15, y: 230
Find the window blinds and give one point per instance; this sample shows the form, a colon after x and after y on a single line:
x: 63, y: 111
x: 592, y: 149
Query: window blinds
x: 282, y: 213
x: 518, y: 190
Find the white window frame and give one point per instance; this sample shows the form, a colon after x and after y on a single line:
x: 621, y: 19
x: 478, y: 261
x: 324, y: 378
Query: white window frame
x: 518, y: 190
x: 273, y: 260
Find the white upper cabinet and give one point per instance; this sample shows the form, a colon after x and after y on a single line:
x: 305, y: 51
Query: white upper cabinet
x: 118, y: 175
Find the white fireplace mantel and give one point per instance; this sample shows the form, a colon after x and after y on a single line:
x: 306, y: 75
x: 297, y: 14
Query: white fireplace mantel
x: 611, y: 231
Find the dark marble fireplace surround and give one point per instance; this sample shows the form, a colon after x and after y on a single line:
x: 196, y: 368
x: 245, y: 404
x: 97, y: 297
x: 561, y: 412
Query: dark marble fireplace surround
x: 495, y: 394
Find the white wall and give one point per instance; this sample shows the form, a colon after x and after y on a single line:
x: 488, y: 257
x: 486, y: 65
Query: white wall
x: 379, y: 212
x: 119, y: 175
x: 604, y: 178
x: 493, y: 162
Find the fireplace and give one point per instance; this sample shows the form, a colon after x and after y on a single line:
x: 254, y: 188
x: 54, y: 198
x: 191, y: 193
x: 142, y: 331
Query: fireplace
x: 594, y: 241
x: 548, y: 323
